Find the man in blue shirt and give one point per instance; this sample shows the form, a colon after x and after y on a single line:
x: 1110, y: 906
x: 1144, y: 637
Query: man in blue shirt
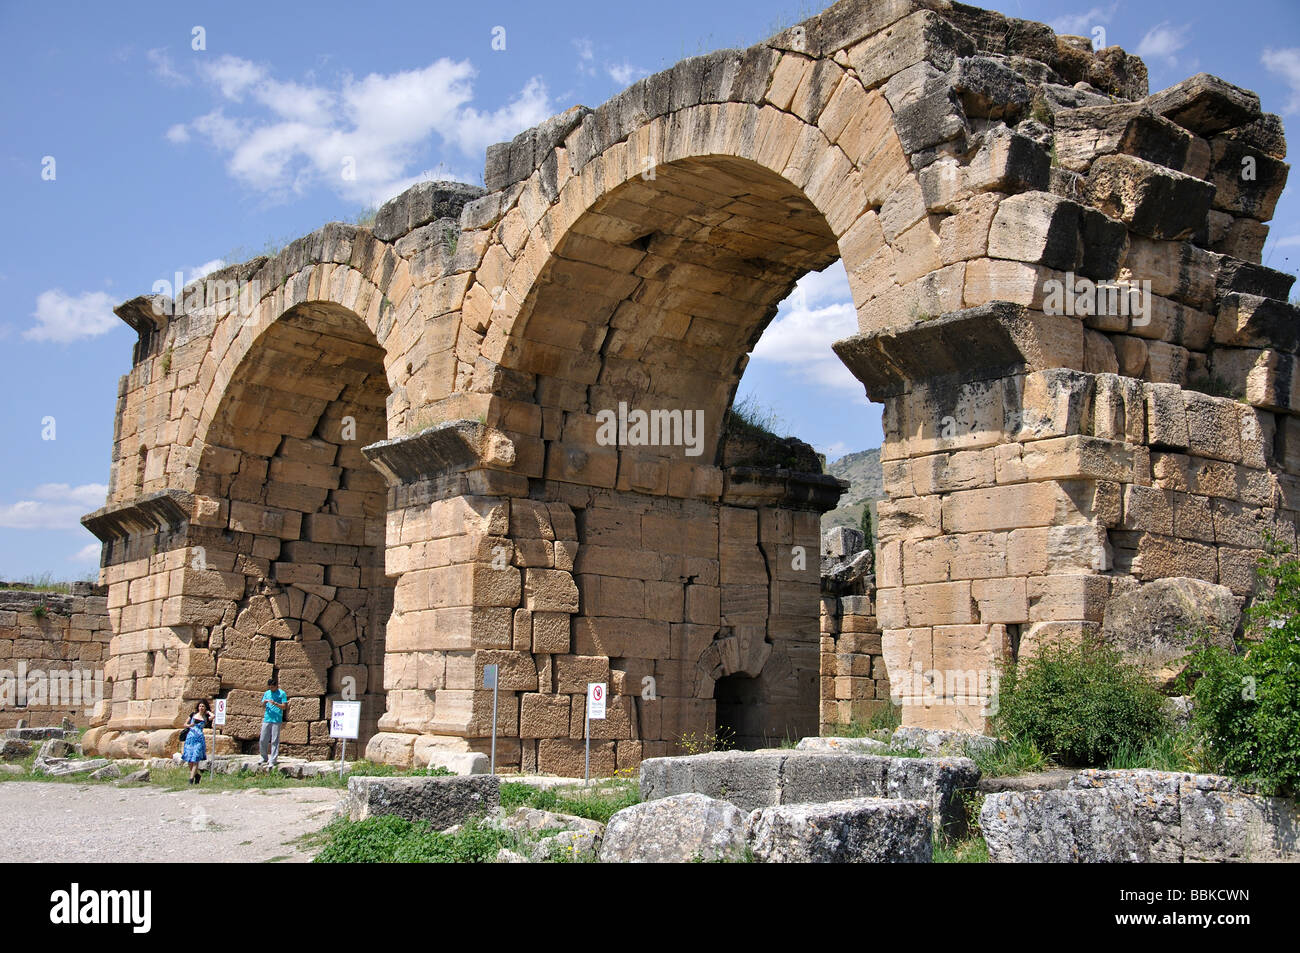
x: 275, y: 703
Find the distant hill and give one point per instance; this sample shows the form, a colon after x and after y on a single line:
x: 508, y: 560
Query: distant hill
x: 866, y: 485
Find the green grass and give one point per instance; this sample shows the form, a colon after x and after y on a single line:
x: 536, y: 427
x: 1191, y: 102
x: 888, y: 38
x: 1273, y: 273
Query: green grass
x: 969, y: 850
x: 45, y: 582
x: 1011, y: 757
x: 599, y: 804
x: 176, y: 778
x: 748, y: 416
x: 970, y: 847
x: 1171, y: 752
x: 394, y: 840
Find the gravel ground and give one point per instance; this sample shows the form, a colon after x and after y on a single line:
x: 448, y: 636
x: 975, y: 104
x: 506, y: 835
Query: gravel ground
x: 86, y: 824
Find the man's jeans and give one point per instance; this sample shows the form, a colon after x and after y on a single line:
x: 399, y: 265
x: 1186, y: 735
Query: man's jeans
x: 270, y: 739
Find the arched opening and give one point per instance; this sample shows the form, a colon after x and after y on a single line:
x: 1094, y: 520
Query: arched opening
x: 297, y: 540
x: 697, y: 561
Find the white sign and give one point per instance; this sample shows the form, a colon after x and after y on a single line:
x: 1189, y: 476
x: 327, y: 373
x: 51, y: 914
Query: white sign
x: 219, y: 711
x: 596, y: 700
x: 489, y: 676
x: 345, y: 720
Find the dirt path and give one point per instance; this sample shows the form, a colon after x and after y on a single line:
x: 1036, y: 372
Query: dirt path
x: 74, y: 823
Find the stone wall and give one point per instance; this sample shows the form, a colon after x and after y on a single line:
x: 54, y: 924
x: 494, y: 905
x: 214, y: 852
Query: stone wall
x: 404, y: 430
x: 52, y: 652
x: 854, y: 678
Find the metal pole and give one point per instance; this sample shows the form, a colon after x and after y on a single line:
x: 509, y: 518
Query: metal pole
x: 495, y: 683
x: 343, y: 757
x: 586, y: 730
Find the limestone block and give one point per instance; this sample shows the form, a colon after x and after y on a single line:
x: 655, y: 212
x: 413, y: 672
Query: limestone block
x: 1152, y: 200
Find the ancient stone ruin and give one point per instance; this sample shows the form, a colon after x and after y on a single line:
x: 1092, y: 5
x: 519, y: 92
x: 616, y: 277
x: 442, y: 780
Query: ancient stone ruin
x: 492, y: 427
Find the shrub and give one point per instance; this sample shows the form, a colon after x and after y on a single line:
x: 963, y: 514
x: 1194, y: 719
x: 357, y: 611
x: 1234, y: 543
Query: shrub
x: 1079, y: 703
x: 391, y: 839
x: 1246, y: 704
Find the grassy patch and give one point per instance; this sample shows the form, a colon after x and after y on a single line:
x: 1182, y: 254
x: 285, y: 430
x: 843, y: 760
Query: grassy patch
x: 599, y: 804
x: 1019, y: 755
x: 969, y: 850
x: 1169, y: 752
x: 748, y: 417
x: 394, y: 840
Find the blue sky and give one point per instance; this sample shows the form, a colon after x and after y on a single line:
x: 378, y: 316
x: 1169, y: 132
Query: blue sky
x: 168, y: 158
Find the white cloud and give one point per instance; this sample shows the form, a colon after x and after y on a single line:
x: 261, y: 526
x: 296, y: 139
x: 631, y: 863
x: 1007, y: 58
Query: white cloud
x: 1290, y: 241
x: 586, y: 56
x: 63, y: 317
x: 203, y: 270
x: 1285, y: 64
x: 362, y: 137
x: 1081, y: 24
x: 178, y: 134
x: 1163, y: 41
x: 163, y: 68
x: 625, y: 74
x: 54, y: 506
x: 818, y: 312
x: 232, y: 75
x: 86, y: 554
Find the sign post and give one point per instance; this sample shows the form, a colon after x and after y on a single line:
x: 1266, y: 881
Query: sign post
x: 218, y: 719
x: 595, y: 709
x: 490, y: 681
x: 345, y: 723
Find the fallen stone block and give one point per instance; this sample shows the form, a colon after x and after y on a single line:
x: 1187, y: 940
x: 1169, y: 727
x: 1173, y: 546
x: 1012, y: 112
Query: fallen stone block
x: 567, y: 847
x: 12, y: 749
x: 1141, y: 816
x: 1066, y: 826
x: 859, y: 830
x: 55, y: 748
x: 745, y: 779
x: 677, y: 829
x: 34, y: 734
x: 756, y: 779
x: 440, y: 801
x: 532, y: 820
x: 939, y: 741
x: 55, y: 768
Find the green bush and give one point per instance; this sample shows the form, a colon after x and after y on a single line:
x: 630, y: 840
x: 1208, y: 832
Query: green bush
x: 394, y: 840
x: 1079, y: 704
x: 1246, y: 705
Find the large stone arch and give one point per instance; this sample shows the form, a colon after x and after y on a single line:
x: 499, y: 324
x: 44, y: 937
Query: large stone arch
x: 1038, y: 460
x: 232, y: 542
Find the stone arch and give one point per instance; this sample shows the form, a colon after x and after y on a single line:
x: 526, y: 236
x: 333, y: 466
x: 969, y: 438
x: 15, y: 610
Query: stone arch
x: 1036, y: 462
x: 286, y: 565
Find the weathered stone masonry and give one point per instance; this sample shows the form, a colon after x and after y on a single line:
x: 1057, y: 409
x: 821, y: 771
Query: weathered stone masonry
x: 52, y: 652
x: 386, y: 457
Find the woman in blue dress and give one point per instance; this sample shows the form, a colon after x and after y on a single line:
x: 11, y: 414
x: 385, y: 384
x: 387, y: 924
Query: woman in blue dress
x: 196, y: 746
